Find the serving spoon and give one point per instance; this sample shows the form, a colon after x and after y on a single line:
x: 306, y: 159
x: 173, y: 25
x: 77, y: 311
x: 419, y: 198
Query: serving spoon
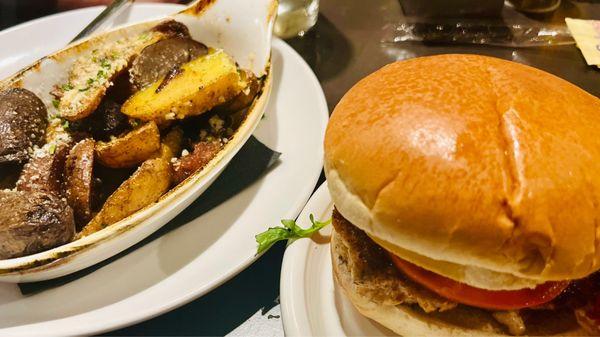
x: 113, y: 10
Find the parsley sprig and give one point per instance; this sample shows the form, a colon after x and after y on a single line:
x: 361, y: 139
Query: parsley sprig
x: 289, y: 231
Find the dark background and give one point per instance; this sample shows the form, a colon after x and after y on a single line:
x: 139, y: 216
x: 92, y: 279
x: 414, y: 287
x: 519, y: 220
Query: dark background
x: 345, y: 45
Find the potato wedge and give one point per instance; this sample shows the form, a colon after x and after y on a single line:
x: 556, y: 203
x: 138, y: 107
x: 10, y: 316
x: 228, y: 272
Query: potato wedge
x: 44, y: 172
x: 202, y: 154
x: 200, y: 85
x: 170, y: 145
x: 151, y: 180
x: 130, y: 149
x: 79, y: 180
x: 246, y: 96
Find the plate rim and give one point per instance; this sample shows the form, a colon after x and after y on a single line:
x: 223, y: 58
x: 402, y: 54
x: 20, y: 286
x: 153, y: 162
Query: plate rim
x: 189, y: 296
x: 296, y: 321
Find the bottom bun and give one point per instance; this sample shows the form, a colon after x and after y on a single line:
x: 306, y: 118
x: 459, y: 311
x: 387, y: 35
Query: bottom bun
x: 410, y: 320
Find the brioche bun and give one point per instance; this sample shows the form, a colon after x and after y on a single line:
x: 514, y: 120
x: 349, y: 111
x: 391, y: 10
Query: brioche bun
x: 482, y: 170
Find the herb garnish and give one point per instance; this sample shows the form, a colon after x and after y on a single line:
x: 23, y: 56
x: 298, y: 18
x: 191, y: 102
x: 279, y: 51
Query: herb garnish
x: 52, y: 148
x: 104, y: 63
x: 55, y: 103
x: 290, y: 231
x: 67, y: 87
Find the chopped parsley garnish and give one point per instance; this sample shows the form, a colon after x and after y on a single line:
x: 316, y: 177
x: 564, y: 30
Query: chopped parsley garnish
x: 290, y: 231
x: 65, y: 125
x: 52, y: 148
x: 90, y: 81
x: 101, y: 74
x: 67, y: 87
x: 104, y: 63
x: 55, y: 103
x: 84, y: 89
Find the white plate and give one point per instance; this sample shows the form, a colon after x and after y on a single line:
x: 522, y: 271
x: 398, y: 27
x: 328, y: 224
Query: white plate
x: 311, y: 303
x: 197, y: 257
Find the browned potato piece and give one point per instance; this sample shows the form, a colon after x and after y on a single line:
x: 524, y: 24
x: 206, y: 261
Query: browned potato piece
x: 156, y: 60
x: 202, y: 154
x: 22, y: 124
x: 33, y: 221
x: 79, y: 180
x: 151, y: 180
x: 92, y: 75
x: 195, y: 88
x: 44, y: 172
x: 246, y: 97
x: 170, y: 145
x: 130, y: 149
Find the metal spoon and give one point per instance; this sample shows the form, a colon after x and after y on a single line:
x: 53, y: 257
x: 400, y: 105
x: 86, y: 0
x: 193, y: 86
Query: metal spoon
x: 103, y: 19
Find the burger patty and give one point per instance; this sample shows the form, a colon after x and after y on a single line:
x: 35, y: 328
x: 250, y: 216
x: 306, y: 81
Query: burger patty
x: 376, y: 277
x: 373, y: 276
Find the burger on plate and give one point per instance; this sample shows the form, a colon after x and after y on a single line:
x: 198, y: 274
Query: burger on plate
x: 467, y: 199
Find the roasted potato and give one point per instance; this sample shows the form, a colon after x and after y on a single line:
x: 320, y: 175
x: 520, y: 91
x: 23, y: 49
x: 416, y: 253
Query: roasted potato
x: 105, y: 122
x: 151, y: 180
x: 92, y: 75
x: 44, y: 172
x: 198, y: 86
x: 244, y: 98
x: 130, y: 149
x: 157, y: 59
x: 22, y: 124
x: 33, y: 221
x: 202, y: 154
x: 170, y: 145
x: 79, y: 180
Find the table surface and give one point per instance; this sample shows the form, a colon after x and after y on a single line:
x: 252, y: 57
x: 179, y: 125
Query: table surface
x: 344, y: 46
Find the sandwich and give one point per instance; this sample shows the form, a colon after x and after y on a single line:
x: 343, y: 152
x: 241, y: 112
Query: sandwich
x: 467, y: 199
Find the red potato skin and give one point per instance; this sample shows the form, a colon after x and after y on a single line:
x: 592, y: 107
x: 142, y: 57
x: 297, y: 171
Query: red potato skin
x: 45, y: 173
x: 33, y: 221
x: 203, y: 152
x: 79, y: 180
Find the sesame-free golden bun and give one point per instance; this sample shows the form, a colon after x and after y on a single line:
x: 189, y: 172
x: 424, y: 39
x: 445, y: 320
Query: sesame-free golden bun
x: 482, y: 170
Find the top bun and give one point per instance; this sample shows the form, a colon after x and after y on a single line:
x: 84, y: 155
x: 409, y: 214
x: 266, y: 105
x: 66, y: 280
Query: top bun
x: 477, y: 168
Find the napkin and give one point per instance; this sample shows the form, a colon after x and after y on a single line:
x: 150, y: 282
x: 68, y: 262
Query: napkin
x: 250, y: 163
x: 587, y: 36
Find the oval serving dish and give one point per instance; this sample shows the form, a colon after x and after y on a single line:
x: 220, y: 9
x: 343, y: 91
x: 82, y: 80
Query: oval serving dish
x: 243, y: 30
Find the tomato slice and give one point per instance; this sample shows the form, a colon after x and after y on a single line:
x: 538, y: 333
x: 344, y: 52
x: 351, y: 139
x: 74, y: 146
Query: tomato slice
x: 477, y: 297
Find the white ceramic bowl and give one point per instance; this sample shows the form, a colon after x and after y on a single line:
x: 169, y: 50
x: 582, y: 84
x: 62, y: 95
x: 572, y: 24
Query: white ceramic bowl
x: 243, y: 29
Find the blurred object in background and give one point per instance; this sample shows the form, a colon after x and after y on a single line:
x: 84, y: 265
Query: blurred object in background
x: 295, y: 17
x: 13, y: 12
x: 484, y: 22
x: 473, y: 31
x: 535, y: 6
x: 72, y: 4
x: 16, y: 11
x: 452, y: 8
